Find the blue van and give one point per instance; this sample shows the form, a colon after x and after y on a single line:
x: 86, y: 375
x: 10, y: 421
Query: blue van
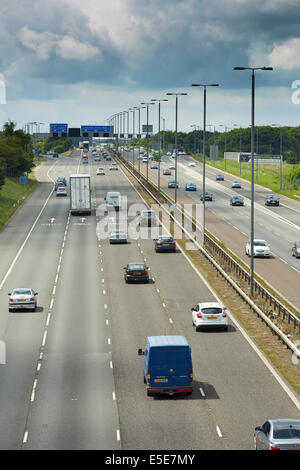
x: 167, y: 365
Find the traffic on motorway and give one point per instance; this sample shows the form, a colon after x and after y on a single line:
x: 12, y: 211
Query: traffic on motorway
x: 120, y: 297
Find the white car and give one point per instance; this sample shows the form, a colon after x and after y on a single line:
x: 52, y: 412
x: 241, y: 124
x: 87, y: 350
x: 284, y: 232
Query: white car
x: 22, y: 298
x: 113, y: 167
x: 100, y: 171
x: 192, y: 164
x: 61, y: 191
x: 260, y: 248
x: 209, y: 314
x: 172, y: 167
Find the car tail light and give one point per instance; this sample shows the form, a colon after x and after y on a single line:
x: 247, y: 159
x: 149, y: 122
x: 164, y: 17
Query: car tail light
x: 128, y: 273
x: 149, y: 376
x: 199, y: 315
x: 191, y: 375
x: 31, y: 299
x: 273, y: 448
x: 145, y: 273
x: 11, y: 299
x: 224, y: 315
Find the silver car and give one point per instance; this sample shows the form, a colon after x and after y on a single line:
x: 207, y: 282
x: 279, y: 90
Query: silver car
x: 209, y: 314
x: 61, y: 191
x: 278, y: 434
x: 118, y: 236
x: 22, y: 298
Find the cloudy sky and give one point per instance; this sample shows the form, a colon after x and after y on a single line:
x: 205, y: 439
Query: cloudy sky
x: 80, y: 61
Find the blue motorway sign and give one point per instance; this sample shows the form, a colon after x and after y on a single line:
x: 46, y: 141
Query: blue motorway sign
x: 105, y: 129
x: 58, y: 127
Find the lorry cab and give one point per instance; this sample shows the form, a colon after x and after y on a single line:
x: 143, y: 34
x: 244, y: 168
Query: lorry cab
x: 113, y: 200
x: 167, y: 365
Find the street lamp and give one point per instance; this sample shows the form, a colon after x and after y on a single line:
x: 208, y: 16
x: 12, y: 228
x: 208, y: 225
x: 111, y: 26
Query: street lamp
x: 252, y: 167
x: 238, y: 125
x: 280, y: 127
x: 147, y: 135
x: 203, y: 171
x: 195, y: 136
x: 159, y: 137
x: 176, y: 150
x: 139, y: 110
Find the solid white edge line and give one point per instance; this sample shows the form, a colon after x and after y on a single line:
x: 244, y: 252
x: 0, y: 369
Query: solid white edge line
x: 25, y: 437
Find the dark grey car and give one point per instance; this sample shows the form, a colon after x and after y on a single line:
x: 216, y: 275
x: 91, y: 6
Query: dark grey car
x: 208, y: 196
x: 278, y: 434
x: 272, y: 200
x: 164, y: 243
x: 236, y: 201
x: 136, y: 272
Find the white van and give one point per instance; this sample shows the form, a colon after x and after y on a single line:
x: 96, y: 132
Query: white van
x: 113, y: 200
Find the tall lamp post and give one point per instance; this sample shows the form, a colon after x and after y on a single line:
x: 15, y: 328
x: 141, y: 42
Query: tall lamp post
x: 203, y: 166
x: 238, y: 125
x: 159, y: 137
x: 138, y: 108
x: 147, y: 138
x: 280, y: 150
x: 253, y: 69
x: 176, y: 149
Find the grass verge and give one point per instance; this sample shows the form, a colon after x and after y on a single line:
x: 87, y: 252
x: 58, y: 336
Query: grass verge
x: 13, y: 194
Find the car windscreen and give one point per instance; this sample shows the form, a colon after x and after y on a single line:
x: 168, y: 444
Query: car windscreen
x: 259, y: 243
x: 286, y: 432
x: 211, y: 310
x: 22, y: 292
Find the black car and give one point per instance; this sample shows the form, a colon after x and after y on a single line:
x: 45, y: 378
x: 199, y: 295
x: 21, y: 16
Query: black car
x: 136, y: 272
x: 172, y: 184
x: 164, y: 243
x: 272, y: 200
x: 236, y: 201
x: 208, y: 196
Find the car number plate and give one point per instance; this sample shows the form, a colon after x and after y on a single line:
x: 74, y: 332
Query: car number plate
x: 160, y: 380
x: 212, y: 318
x: 136, y: 274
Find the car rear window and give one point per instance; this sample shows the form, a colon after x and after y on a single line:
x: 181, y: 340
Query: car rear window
x: 211, y: 310
x: 137, y: 266
x: 287, y: 432
x: 165, y: 239
x: 22, y: 292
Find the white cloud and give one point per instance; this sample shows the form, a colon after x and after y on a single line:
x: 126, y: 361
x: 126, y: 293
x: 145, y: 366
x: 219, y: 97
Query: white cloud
x: 43, y: 44
x: 286, y: 56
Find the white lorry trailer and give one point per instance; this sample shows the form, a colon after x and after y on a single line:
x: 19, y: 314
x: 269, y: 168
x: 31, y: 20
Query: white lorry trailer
x: 80, y: 194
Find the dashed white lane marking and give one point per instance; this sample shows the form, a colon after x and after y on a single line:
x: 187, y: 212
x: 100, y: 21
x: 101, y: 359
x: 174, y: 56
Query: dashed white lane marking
x: 25, y: 437
x: 44, y: 338
x: 54, y: 289
x: 118, y: 435
x: 111, y: 364
x: 51, y: 303
x: 202, y: 392
x: 108, y: 340
x: 114, y: 396
x: 171, y: 321
x: 219, y: 431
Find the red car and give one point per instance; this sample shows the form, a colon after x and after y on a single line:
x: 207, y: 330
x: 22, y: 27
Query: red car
x: 167, y: 172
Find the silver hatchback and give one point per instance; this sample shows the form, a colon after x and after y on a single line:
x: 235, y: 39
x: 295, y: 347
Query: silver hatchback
x: 22, y: 298
x: 278, y: 434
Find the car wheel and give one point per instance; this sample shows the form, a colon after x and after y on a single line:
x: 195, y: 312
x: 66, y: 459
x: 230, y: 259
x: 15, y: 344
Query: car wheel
x: 198, y: 328
x: 225, y: 327
x: 10, y: 309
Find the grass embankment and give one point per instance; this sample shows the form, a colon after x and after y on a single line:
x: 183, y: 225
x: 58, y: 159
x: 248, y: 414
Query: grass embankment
x: 13, y: 194
x: 265, y: 175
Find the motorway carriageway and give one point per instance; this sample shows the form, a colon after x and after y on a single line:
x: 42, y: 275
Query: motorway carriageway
x: 279, y: 226
x: 73, y: 379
